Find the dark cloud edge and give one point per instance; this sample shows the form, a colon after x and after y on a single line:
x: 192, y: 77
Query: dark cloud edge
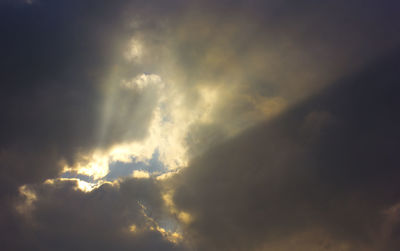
x: 329, y: 162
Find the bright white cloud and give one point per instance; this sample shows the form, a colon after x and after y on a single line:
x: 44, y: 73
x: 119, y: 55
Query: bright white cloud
x: 140, y: 174
x: 171, y: 121
x: 143, y: 80
x: 135, y: 51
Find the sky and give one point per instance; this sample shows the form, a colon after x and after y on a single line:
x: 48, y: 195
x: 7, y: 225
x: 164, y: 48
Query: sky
x: 194, y: 125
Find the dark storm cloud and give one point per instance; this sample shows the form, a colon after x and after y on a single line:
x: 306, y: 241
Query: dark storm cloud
x: 329, y: 163
x: 274, y: 51
x: 324, y: 170
x: 64, y: 218
x: 53, y: 56
x: 55, y: 59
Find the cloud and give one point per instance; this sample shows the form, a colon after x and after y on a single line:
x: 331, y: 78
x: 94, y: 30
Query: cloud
x: 320, y: 176
x: 65, y: 218
x: 140, y: 174
x: 58, y: 60
x: 233, y: 99
x: 57, y: 69
x: 50, y: 69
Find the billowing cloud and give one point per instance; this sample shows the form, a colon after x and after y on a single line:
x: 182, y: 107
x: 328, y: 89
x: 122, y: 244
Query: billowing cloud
x: 323, y: 175
x: 118, y: 216
x: 198, y: 125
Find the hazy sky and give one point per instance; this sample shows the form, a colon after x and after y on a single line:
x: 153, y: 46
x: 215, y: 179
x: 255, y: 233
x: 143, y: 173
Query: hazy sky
x: 200, y: 125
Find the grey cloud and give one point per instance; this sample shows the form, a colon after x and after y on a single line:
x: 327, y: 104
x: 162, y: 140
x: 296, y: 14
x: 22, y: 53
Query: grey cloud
x: 263, y: 50
x: 56, y: 58
x: 273, y: 182
x: 329, y: 163
x: 64, y: 218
